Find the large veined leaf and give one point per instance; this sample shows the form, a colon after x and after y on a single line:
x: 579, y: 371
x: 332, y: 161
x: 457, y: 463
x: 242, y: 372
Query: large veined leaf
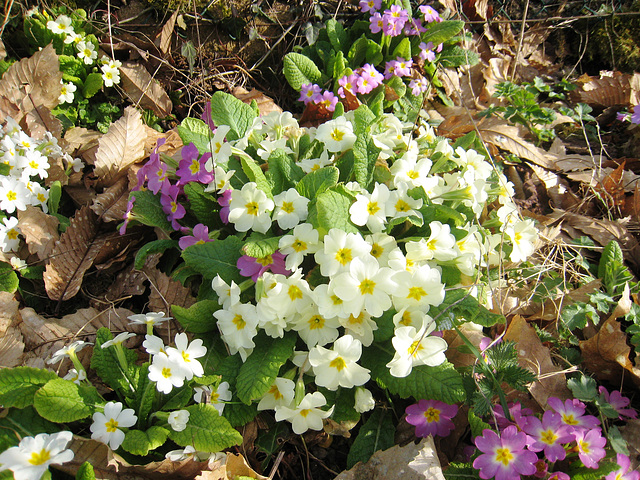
x: 300, y: 70
x: 143, y: 90
x: 73, y: 255
x: 120, y: 147
x: 228, y: 110
x: 206, y: 430
x: 376, y: 434
x: 63, y: 401
x: 19, y: 385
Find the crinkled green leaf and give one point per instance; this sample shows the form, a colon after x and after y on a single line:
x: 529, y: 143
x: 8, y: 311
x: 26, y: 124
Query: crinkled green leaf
x: 194, y: 130
x: 259, y: 245
x: 455, y: 56
x: 465, y: 308
x: 148, y: 210
x: 300, y: 70
x: 206, y: 430
x: 18, y: 385
x: 8, y: 278
x: 228, y: 110
x: 216, y: 258
x: 332, y: 211
x: 583, y: 473
x: 63, y: 401
x: 86, y: 472
x: 198, y: 318
x: 144, y: 395
x: 337, y: 35
x: 92, y: 85
x: 155, y: 246
x: 259, y: 371
x: 202, y: 205
x: 403, y: 49
x: 440, y: 32
x: 377, y: 433
x: 318, y: 181
x: 22, y: 422
x: 106, y: 365
x: 141, y: 443
x: 283, y: 173
x: 255, y: 174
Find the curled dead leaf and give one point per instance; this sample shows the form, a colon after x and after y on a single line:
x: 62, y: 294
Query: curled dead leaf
x: 83, y: 143
x: 40, y: 231
x: 111, y: 204
x: 143, y: 90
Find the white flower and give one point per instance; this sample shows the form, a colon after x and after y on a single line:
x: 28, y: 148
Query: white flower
x: 75, y: 376
x: 303, y: 242
x: 106, y: 426
x: 62, y: 25
x: 40, y: 196
x: 72, y: 37
x: 276, y: 124
x: 154, y: 345
x: 76, y: 163
x: 238, y: 325
x: 110, y: 75
x: 410, y: 171
x: 221, y: 395
x: 118, y: 339
x: 360, y: 327
x: 17, y: 263
x: 312, y: 164
x: 419, y: 287
x: 67, y: 351
x: 381, y: 246
x: 338, y: 367
x: 178, y: 420
x: 66, y: 92
x: 328, y: 303
x: 185, y: 355
x: 439, y: 246
x: 412, y: 317
x: 416, y: 347
x: 9, y: 232
x: 475, y: 165
x: 339, y: 249
x: 181, y: 455
x: 221, y: 180
x: 370, y: 209
x: 267, y: 147
x: 523, y: 234
x: 402, y: 205
x: 33, y: 455
x: 364, y: 400
x: 227, y: 295
x: 220, y: 151
x: 13, y: 195
x: 314, y: 328
x: 166, y: 373
x: 151, y: 318
x: 249, y: 209
x: 202, y: 393
x: 280, y: 393
x: 86, y: 51
x: 337, y: 135
x: 291, y: 209
x: 306, y: 415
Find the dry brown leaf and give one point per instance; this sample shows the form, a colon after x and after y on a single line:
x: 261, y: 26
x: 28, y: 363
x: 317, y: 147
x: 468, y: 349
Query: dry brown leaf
x: 31, y: 82
x: 114, y: 249
x: 40, y: 231
x: 167, y: 33
x: 166, y: 292
x: 127, y: 283
x: 631, y: 433
x: 111, y: 204
x: 73, y: 255
x: 120, y: 147
x: 57, y: 172
x: 611, y: 188
x: 40, y: 120
x: 557, y: 188
x: 83, y: 143
x: 534, y: 356
x: 3, y: 50
x: 626, y: 180
x: 237, y: 466
x: 611, y: 89
x: 143, y: 90
x: 265, y: 103
x: 11, y: 343
x: 457, y: 353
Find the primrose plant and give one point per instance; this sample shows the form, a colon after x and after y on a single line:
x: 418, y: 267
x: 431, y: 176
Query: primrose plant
x: 388, y: 61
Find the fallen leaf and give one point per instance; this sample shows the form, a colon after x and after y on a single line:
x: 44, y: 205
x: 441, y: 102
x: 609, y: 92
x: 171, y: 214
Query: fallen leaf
x: 611, y: 188
x: 40, y: 120
x: 610, y: 89
x: 265, y: 104
x: 532, y: 355
x: 166, y: 292
x: 83, y: 143
x: 40, y: 231
x: 557, y: 188
x: 120, y: 147
x: 237, y: 467
x: 167, y: 33
x: 11, y: 342
x: 3, y: 50
x: 111, y: 204
x: 143, y: 90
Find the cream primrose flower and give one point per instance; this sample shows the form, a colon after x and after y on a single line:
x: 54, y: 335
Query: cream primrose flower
x: 508, y: 215
x: 190, y: 452
x: 86, y: 51
x: 110, y: 75
x: 281, y: 392
x: 360, y: 327
x: 220, y: 396
x: 61, y: 26
x: 293, y: 296
x: 72, y: 37
x: 418, y: 288
x: 523, y: 234
x: 221, y: 180
x: 412, y: 317
x: 399, y: 262
x: 202, y: 393
x: 67, y: 91
x: 301, y: 360
x: 16, y: 263
x: 505, y: 190
x: 312, y: 164
x: 469, y: 249
x: 389, y: 134
x: 13, y: 195
x: 39, y: 197
x: 106, y: 426
x: 267, y: 147
x: 154, y: 345
x: 178, y: 420
x: 70, y: 350
x: 328, y: 303
x: 337, y: 135
x: 339, y: 248
x: 338, y: 367
x: 474, y: 163
x: 220, y: 150
x: 9, y: 232
x: 166, y: 373
x: 277, y: 124
x: 363, y: 400
x: 381, y: 246
x: 250, y: 209
x: 416, y: 347
x: 291, y: 209
x: 33, y: 455
x: 440, y: 245
x: 118, y: 339
x: 238, y: 325
x: 227, y: 295
x: 365, y: 286
x: 76, y: 376
x: 314, y: 328
x: 307, y: 415
x: 303, y: 241
x: 186, y: 355
x: 149, y: 319
x: 401, y: 205
x: 371, y: 209
x: 411, y: 171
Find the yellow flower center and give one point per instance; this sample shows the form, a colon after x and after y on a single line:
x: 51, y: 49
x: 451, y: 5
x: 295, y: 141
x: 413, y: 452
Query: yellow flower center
x: 174, y: 207
x: 11, y: 195
x: 412, y: 174
x: 38, y: 458
x: 406, y: 319
x: 299, y: 246
x: 584, y: 446
x: 275, y: 392
x: 252, y: 208
x: 367, y: 286
x: 402, y: 206
x: 416, y: 293
x: 304, y: 412
x: 288, y: 207
x: 195, y: 167
x: 373, y: 208
x: 239, y: 322
x: 185, y: 357
x: 431, y: 244
x: 41, y: 198
x: 337, y: 134
x: 376, y: 250
x: 415, y: 348
x: 548, y: 437
x: 166, y: 373
x: 343, y: 256
x: 316, y: 322
x: 504, y: 456
x: 336, y: 300
x: 432, y: 414
x: 569, y: 419
x: 338, y: 363
x: 294, y: 292
x: 12, y: 234
x: 265, y: 261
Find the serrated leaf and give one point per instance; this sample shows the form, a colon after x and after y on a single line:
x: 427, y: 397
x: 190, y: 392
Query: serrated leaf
x: 259, y: 371
x: 318, y: 181
x: 86, y: 472
x: 255, y: 174
x: 476, y: 423
x: 577, y: 315
x: 147, y: 210
x: 120, y: 147
x: 143, y: 90
x: 584, y: 389
x: 198, y: 318
x: 466, y: 308
x: 216, y: 258
x: 203, y: 206
x: 92, y: 85
x: 376, y: 434
x: 300, y: 70
x: 155, y: 246
x: 442, y: 31
x: 332, y: 211
x: 228, y: 110
x: 206, y: 430
x: 8, y: 278
x: 141, y: 443
x: 18, y: 385
x: 194, y: 130
x: 63, y: 401
x: 259, y: 245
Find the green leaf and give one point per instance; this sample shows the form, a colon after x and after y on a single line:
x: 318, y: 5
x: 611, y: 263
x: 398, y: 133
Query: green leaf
x: 442, y: 383
x: 18, y: 385
x: 8, y: 278
x: 617, y: 441
x: 376, y: 434
x: 198, y: 318
x: 358, y: 51
x: 403, y: 49
x: 206, y: 430
x: 55, y: 193
x: 332, y: 211
x: 148, y: 210
x: 584, y: 473
x: 283, y: 173
x: 202, y: 204
x: 578, y: 314
x: 17, y: 423
x: 455, y: 56
x: 63, y: 401
x: 611, y: 268
x: 140, y: 443
x: 584, y: 389
x: 255, y: 174
x: 476, y: 423
x: 337, y: 35
x: 194, y: 130
x: 71, y: 65
x: 144, y: 395
x: 461, y: 471
x: 397, y: 85
x: 442, y: 31
x: 466, y: 308
x: 105, y: 363
x: 156, y: 246
x: 317, y: 182
x: 300, y: 70
x: 259, y: 245
x: 228, y: 110
x: 344, y: 400
x: 92, y: 85
x: 216, y: 258
x: 259, y: 371
x: 86, y: 472
x: 177, y: 399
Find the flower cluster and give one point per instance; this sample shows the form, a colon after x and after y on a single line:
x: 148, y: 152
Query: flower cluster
x: 529, y: 445
x: 26, y: 163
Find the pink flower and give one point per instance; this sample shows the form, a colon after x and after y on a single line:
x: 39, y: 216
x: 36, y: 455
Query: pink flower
x: 206, y: 116
x: 158, y: 177
x: 390, y: 69
x: 370, y: 5
x: 635, y: 118
x: 191, y: 167
x: 376, y: 23
x: 572, y: 413
x: 542, y: 467
x: 170, y: 205
x: 255, y: 267
x: 310, y: 93
x: 559, y: 476
x: 403, y: 67
x: 431, y: 417
x: 618, y: 402
x: 418, y: 86
x: 127, y: 215
x: 200, y: 236
x: 364, y: 84
x: 223, y: 201
x: 430, y: 15
x: 624, y: 473
x: 374, y: 76
x: 622, y: 117
x: 504, y: 457
x: 549, y: 435
x: 590, y: 443
x: 519, y: 415
x: 426, y: 52
x: 347, y: 83
x: 328, y: 100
